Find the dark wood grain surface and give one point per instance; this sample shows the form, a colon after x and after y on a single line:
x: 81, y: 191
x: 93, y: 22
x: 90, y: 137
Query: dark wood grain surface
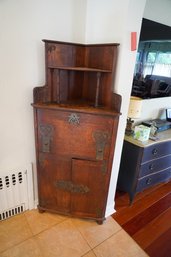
x: 148, y: 219
x: 76, y: 118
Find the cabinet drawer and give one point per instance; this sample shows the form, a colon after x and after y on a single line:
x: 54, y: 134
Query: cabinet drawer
x: 155, y: 166
x: 153, y: 179
x: 156, y: 151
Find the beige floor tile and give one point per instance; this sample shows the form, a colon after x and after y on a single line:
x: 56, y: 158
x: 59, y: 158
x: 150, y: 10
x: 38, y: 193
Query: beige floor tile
x: 90, y: 254
x: 28, y: 248
x: 62, y: 240
x: 94, y: 233
x: 13, y: 231
x: 38, y: 222
x: 119, y: 245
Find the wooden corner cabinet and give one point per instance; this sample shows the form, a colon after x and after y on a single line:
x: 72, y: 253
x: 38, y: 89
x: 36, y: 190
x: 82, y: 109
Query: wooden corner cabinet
x: 76, y: 117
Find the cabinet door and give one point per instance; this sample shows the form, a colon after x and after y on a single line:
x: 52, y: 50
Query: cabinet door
x: 91, y: 182
x: 51, y: 170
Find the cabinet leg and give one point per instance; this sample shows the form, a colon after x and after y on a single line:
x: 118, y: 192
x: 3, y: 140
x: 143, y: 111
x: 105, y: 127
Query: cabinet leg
x: 40, y: 210
x: 131, y: 198
x: 100, y: 222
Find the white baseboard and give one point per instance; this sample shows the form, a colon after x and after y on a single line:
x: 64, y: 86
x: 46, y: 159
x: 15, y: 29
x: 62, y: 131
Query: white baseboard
x: 110, y: 210
x: 35, y: 203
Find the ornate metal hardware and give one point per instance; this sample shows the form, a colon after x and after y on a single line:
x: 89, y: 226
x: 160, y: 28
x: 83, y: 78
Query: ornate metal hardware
x: 70, y: 187
x: 151, y: 166
x: 154, y: 151
x: 74, y: 119
x: 46, y: 132
x: 148, y: 181
x: 101, y: 139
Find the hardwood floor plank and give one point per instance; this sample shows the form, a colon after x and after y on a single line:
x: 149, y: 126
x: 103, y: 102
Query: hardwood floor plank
x: 161, y: 247
x: 137, y: 207
x: 122, y: 199
x: 148, y: 219
x: 145, y: 217
x: 153, y: 230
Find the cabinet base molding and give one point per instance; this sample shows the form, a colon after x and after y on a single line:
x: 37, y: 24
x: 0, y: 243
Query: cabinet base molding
x: 82, y: 216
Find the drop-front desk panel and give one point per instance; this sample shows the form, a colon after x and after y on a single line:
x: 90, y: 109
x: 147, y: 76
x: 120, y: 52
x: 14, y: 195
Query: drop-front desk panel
x: 144, y: 164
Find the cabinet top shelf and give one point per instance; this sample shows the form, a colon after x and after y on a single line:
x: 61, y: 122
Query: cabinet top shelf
x: 78, y: 68
x: 79, y: 44
x: 77, y: 72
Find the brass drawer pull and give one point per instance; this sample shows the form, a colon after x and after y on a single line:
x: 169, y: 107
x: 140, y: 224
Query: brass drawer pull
x: 148, y: 181
x: 155, y: 151
x: 151, y: 166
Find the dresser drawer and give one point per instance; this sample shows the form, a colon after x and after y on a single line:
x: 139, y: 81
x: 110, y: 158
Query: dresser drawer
x: 155, y: 166
x: 153, y: 179
x: 156, y: 151
x: 144, y: 165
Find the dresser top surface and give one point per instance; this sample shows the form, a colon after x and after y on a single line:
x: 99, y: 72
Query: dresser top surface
x: 161, y: 137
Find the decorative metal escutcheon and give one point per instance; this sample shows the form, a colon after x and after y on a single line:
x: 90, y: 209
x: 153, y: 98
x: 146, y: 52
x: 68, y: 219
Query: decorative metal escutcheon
x: 70, y: 187
x: 46, y: 132
x: 101, y: 139
x: 74, y: 119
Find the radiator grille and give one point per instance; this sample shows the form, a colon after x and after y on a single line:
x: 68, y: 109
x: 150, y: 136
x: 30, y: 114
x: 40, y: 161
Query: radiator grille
x: 15, y: 193
x: 11, y: 212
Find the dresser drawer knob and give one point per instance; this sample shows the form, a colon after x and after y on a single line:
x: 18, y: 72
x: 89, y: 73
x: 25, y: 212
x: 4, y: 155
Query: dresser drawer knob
x: 155, y: 151
x: 151, y: 166
x: 148, y: 181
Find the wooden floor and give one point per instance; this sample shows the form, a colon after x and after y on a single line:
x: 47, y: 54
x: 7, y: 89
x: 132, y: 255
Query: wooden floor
x: 148, y: 219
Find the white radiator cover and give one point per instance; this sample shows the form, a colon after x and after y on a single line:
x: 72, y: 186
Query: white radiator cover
x: 16, y: 191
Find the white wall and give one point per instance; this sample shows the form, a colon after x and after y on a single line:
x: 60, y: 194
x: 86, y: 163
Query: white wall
x: 154, y: 108
x: 23, y: 24
x: 158, y: 11
x: 104, y: 22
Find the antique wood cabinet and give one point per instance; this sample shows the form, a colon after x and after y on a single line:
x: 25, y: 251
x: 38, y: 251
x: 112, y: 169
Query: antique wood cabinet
x: 144, y: 164
x: 76, y: 119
